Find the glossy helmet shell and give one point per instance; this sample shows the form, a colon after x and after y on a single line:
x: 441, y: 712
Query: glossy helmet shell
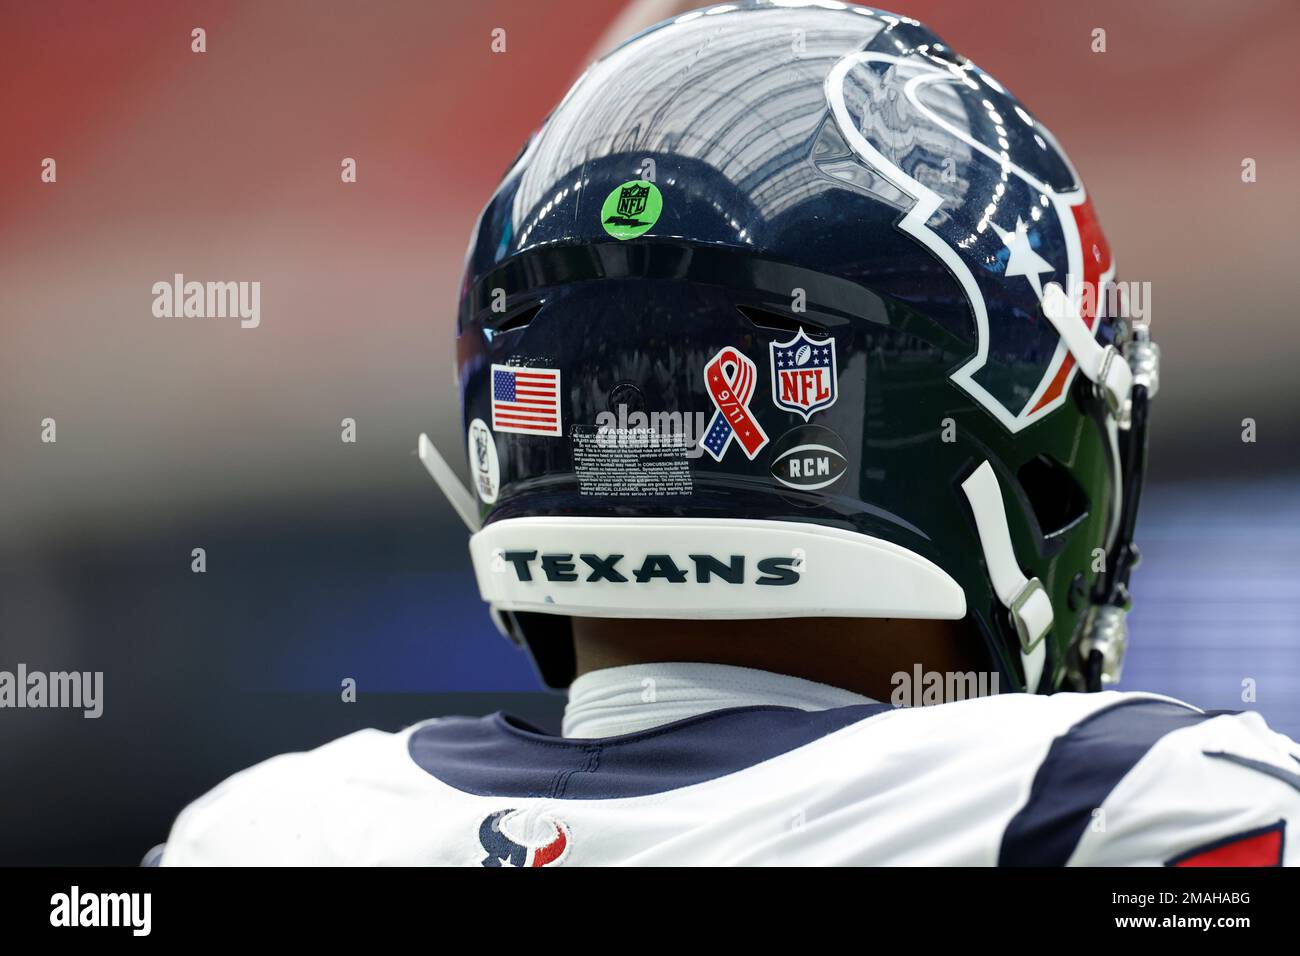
x: 827, y: 171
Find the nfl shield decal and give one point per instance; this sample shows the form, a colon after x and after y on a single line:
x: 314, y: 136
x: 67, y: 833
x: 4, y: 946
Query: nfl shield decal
x: 632, y: 208
x: 803, y: 374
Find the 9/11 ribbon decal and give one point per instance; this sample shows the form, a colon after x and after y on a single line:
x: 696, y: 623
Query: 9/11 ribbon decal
x: 730, y: 378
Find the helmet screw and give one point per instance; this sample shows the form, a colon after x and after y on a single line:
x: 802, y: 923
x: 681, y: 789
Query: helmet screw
x: 625, y: 393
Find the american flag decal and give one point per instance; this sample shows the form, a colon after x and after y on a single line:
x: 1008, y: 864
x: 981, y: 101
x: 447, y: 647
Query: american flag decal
x: 526, y: 400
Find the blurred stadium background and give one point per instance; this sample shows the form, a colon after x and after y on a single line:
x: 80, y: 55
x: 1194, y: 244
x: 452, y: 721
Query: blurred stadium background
x: 328, y: 560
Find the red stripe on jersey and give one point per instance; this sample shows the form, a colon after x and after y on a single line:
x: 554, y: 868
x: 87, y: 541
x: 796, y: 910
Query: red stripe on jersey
x: 1253, y: 848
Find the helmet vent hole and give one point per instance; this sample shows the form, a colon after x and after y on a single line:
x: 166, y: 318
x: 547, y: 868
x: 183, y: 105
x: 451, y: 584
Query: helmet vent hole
x: 1059, y: 502
x: 776, y: 322
x: 518, y: 320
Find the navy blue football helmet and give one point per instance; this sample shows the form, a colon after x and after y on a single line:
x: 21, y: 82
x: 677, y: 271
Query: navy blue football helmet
x: 789, y: 310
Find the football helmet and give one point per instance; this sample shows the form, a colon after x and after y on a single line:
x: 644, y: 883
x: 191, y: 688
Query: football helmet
x: 789, y: 310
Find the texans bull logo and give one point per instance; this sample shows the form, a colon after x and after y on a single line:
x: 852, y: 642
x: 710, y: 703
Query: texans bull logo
x: 992, y: 196
x: 503, y: 849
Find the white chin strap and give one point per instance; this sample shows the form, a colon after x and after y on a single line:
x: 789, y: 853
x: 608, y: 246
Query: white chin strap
x: 1024, y: 598
x: 459, y: 496
x: 1100, y: 364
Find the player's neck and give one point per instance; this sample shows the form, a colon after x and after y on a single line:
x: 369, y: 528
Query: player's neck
x: 858, y: 655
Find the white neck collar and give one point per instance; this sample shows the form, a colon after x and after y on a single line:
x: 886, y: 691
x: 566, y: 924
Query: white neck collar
x: 624, y: 700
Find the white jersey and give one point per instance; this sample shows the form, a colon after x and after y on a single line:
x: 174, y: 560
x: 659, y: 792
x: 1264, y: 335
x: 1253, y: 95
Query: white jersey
x: 1080, y: 779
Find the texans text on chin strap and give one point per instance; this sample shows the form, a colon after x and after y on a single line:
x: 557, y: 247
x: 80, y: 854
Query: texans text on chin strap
x: 1126, y: 381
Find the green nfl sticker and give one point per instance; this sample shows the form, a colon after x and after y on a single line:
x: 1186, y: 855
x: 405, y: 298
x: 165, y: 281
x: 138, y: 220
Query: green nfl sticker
x: 631, y: 209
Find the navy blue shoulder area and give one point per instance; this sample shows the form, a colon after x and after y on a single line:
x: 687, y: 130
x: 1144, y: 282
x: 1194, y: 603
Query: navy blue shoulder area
x: 500, y: 756
x: 1082, y: 767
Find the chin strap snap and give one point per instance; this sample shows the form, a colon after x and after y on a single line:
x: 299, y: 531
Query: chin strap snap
x: 1024, y: 598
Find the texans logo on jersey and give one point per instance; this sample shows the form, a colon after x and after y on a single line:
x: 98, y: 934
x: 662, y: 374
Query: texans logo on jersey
x: 503, y: 849
x: 999, y: 206
x: 803, y: 374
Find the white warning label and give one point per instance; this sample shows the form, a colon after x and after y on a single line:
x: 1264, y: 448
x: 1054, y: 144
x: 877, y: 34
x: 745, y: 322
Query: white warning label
x: 631, y: 462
